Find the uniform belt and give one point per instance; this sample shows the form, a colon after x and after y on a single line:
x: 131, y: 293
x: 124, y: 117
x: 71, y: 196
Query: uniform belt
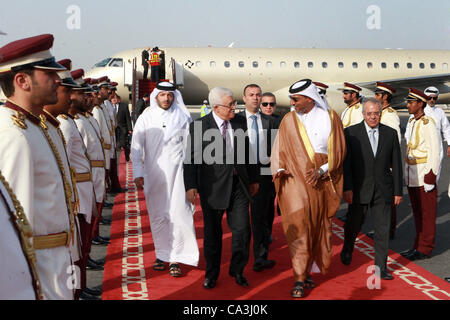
x: 416, y: 160
x: 97, y: 163
x: 52, y: 240
x: 83, y: 177
x: 106, y: 146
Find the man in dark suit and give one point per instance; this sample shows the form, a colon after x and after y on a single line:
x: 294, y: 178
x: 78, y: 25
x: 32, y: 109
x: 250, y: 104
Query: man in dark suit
x: 218, y: 170
x: 140, y: 106
x: 369, y: 182
x: 124, y: 128
x: 259, y: 127
x: 145, y: 59
x: 268, y: 106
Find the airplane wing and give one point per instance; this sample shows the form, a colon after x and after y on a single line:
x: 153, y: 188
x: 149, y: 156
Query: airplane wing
x: 402, y: 85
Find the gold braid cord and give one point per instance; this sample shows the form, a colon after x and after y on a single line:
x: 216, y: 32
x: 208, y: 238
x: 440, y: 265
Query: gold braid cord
x: 25, y: 231
x: 67, y: 189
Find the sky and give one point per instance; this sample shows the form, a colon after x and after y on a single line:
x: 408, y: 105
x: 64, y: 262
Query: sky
x: 88, y: 31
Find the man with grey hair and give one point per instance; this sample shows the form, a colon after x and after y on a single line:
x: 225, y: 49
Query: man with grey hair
x: 372, y: 150
x: 223, y: 185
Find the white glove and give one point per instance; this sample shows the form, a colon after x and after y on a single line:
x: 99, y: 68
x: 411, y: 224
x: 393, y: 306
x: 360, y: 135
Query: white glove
x: 428, y: 187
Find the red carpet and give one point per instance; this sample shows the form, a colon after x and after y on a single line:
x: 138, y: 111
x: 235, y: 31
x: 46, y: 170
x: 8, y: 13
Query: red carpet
x: 128, y: 273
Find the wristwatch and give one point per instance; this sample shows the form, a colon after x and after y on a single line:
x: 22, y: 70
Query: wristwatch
x: 321, y: 172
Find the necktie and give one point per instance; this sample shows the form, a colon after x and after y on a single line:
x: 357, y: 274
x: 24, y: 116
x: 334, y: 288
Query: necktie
x: 373, y: 140
x: 225, y: 135
x: 254, y: 139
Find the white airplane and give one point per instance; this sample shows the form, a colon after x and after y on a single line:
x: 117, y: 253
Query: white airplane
x: 197, y: 70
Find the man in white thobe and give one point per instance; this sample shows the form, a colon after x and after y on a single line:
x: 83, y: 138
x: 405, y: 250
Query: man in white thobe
x: 157, y: 153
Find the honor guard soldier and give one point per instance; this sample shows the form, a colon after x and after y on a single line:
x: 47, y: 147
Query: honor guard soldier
x: 101, y: 115
x: 421, y: 169
x: 440, y: 119
x: 389, y: 117
x: 19, y: 279
x: 353, y: 112
x: 30, y: 160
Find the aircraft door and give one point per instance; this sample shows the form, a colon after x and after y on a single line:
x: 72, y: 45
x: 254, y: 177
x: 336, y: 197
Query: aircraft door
x: 177, y: 72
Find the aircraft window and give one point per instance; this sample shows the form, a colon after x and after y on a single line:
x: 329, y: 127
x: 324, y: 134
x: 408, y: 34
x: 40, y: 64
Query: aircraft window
x: 227, y: 64
x: 269, y: 64
x: 409, y: 65
x: 198, y: 64
x: 324, y: 64
x: 383, y: 65
x: 310, y: 64
x: 355, y: 65
x: 118, y: 63
x: 212, y: 64
x: 255, y: 64
x: 102, y: 63
x: 282, y: 64
x: 432, y: 65
x: 241, y: 64
x: 340, y: 64
x: 296, y: 64
x: 445, y: 65
x: 369, y: 65
x: 396, y: 65
x: 422, y: 65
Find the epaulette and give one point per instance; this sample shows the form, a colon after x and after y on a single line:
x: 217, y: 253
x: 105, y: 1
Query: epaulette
x: 76, y: 116
x: 63, y: 116
x: 21, y: 115
x: 19, y: 120
x: 411, y: 120
x: 87, y: 115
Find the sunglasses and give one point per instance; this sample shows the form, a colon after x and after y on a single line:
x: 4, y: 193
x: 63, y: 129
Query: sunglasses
x: 265, y: 104
x: 433, y: 98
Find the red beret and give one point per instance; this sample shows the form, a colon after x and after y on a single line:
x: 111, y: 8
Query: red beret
x: 29, y: 53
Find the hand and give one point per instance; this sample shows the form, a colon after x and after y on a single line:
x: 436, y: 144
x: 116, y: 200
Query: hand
x: 348, y: 196
x: 139, y: 182
x: 397, y: 200
x: 130, y: 132
x: 254, y: 188
x: 312, y: 176
x: 281, y: 174
x: 448, y: 151
x: 191, y: 194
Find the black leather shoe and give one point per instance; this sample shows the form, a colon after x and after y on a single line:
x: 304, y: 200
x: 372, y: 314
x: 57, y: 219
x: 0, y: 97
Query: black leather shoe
x: 105, y: 222
x: 105, y: 238
x: 99, y: 241
x: 241, y: 280
x: 209, y: 283
x: 263, y: 264
x: 87, y: 296
x: 407, y: 252
x: 93, y: 292
x: 93, y: 266
x: 417, y: 255
x: 447, y: 279
x: 370, y: 234
x: 386, y: 275
x: 121, y: 190
x: 346, y: 257
x: 108, y: 204
x: 100, y: 262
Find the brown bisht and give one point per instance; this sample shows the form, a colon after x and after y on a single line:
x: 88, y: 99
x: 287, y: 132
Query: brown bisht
x: 307, y: 211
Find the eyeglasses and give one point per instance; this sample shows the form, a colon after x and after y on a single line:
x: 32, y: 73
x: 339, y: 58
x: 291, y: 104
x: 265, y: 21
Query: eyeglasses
x: 265, y: 104
x: 373, y: 114
x: 233, y: 105
x: 433, y: 98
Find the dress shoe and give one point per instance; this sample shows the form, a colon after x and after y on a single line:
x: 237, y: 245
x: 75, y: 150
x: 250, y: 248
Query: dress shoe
x: 370, y: 234
x: 99, y: 241
x: 447, y: 279
x: 93, y: 266
x: 240, y: 279
x: 263, y: 264
x: 116, y: 191
x: 105, y: 238
x: 346, y: 257
x: 209, y: 283
x: 87, y: 296
x: 386, y: 275
x: 108, y: 204
x: 417, y: 255
x: 99, y: 262
x: 407, y: 252
x: 105, y: 222
x: 93, y: 292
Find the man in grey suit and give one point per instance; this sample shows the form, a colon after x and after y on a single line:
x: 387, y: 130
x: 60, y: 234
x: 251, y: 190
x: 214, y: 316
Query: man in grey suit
x: 372, y: 179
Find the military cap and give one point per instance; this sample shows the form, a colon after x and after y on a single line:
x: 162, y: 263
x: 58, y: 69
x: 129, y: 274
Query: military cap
x: 350, y: 87
x: 65, y: 75
x: 383, y: 87
x: 418, y: 95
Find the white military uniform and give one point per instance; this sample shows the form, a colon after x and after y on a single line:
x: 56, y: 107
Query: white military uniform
x: 157, y: 152
x: 390, y: 118
x: 79, y: 160
x: 30, y: 165
x: 352, y: 115
x: 422, y: 151
x: 102, y: 121
x: 18, y: 276
x: 88, y: 128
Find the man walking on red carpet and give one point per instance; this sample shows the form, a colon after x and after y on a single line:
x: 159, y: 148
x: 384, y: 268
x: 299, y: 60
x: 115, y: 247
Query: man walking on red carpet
x: 157, y: 152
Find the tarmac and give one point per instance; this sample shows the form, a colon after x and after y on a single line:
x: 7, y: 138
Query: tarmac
x: 438, y: 263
